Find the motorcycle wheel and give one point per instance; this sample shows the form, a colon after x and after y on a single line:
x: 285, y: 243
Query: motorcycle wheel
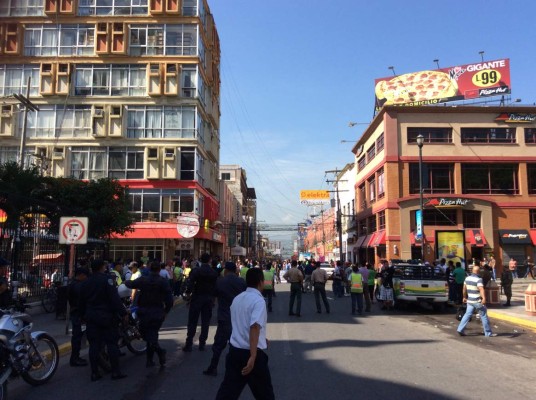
x: 135, y: 343
x: 3, y: 391
x: 44, y: 359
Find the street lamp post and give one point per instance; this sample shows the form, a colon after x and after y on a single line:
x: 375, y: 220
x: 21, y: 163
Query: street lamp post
x: 420, y: 143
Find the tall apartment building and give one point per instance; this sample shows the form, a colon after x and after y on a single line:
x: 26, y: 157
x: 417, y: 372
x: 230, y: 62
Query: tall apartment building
x: 479, y: 183
x: 128, y: 89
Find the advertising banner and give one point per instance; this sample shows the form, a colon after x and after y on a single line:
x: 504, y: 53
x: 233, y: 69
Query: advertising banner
x: 450, y: 246
x: 314, y: 197
x: 463, y: 82
x: 418, y: 217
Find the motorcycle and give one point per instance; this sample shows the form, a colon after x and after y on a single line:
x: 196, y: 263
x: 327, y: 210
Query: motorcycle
x: 34, y: 356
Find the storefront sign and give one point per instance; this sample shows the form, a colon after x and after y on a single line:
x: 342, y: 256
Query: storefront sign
x: 514, y: 236
x: 188, y: 225
x: 447, y: 202
x: 450, y: 246
x: 314, y: 197
x: 516, y: 118
x: 469, y: 81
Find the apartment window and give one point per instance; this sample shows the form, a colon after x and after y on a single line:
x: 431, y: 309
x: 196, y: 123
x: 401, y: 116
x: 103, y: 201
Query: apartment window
x: 175, y: 202
x: 187, y: 163
x: 531, y: 172
x: 530, y: 135
x: 371, y: 153
x: 226, y: 176
x: 381, y: 183
x: 8, y: 154
x: 159, y: 122
x: 126, y: 163
x: 21, y: 8
x: 372, y: 189
x: 380, y: 143
x: 53, y: 40
x: 189, y: 7
x: 435, y: 217
x: 13, y: 79
x: 471, y: 219
x: 431, y: 135
x: 490, y: 179
x: 362, y: 197
x: 189, y: 80
x: 88, y: 163
x: 353, y: 208
x: 112, y: 7
x: 381, y: 220
x: 152, y: 40
x: 371, y: 224
x: 362, y: 227
x: 361, y: 163
x: 436, y: 178
x: 58, y: 121
x: 532, y: 216
x: 160, y: 204
x: 110, y: 80
x: 488, y: 135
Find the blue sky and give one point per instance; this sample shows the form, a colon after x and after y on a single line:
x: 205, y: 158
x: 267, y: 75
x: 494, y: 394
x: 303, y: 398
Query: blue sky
x: 295, y: 72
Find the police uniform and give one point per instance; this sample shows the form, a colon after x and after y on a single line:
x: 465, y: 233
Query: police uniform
x: 73, y: 291
x: 154, y: 302
x: 201, y: 284
x: 102, y: 308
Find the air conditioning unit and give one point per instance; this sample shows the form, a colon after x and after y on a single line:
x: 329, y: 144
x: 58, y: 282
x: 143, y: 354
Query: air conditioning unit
x: 169, y: 153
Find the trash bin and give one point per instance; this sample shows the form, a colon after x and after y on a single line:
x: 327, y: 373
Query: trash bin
x: 61, y: 302
x: 492, y: 294
x: 530, y: 299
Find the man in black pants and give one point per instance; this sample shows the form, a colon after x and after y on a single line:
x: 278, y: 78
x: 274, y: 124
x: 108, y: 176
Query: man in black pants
x: 101, y: 307
x: 319, y: 277
x: 227, y: 288
x: 295, y: 277
x: 154, y: 302
x: 80, y: 275
x: 202, y: 286
x: 246, y: 362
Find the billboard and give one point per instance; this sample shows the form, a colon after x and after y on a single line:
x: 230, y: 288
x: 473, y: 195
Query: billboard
x: 314, y: 197
x: 462, y: 82
x: 451, y: 246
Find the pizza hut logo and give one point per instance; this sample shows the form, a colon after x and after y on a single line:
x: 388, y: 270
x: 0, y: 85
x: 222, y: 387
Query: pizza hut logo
x: 515, y: 117
x: 456, y: 72
x: 446, y: 202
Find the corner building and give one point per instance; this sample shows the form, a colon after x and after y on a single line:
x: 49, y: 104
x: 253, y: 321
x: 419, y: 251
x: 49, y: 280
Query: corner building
x: 479, y: 184
x: 128, y: 89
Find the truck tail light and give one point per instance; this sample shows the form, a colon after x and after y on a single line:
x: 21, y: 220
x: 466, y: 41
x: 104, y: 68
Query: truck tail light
x: 447, y: 287
x: 402, y: 288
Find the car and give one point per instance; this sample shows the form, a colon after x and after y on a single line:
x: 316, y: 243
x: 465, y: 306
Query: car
x: 328, y: 268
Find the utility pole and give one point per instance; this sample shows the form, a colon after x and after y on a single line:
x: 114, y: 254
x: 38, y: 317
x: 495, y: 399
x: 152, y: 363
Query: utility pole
x: 28, y: 106
x: 339, y: 211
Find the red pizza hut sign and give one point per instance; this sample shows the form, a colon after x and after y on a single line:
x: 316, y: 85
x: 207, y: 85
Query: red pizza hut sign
x: 469, y: 81
x: 516, y: 118
x: 444, y: 202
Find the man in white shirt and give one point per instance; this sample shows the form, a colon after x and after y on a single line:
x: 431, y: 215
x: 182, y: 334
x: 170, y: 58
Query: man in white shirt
x: 246, y: 362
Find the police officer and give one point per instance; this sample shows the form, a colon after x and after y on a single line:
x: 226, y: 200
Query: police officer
x: 227, y: 288
x: 154, y: 302
x: 202, y: 285
x: 101, y: 307
x: 73, y: 290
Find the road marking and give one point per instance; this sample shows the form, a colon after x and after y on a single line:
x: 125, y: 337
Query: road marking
x: 287, y: 351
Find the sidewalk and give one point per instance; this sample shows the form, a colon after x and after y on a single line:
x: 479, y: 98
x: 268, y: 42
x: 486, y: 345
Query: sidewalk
x: 515, y: 314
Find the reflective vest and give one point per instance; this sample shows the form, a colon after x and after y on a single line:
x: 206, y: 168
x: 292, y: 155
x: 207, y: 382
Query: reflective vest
x: 243, y: 272
x: 118, y: 279
x: 357, y: 283
x: 268, y: 279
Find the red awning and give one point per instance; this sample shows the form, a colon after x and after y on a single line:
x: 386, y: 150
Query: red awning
x: 153, y: 230
x: 533, y: 236
x: 368, y: 240
x: 360, y: 241
x: 379, y: 239
x: 475, y: 237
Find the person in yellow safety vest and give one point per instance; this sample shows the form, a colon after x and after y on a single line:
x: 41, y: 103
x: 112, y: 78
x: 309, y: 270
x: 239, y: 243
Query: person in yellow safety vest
x: 356, y: 290
x: 273, y: 269
x: 116, y: 274
x: 243, y: 271
x: 268, y: 291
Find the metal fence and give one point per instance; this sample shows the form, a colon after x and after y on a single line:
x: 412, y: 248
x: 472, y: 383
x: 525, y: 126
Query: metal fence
x: 38, y: 260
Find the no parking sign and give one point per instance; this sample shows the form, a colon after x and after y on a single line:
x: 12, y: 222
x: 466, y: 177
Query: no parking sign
x: 73, y: 230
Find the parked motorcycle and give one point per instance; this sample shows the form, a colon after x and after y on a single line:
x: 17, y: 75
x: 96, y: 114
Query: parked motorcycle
x: 32, y: 355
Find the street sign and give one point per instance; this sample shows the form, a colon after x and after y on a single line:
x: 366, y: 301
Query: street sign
x: 73, y: 230
x: 188, y: 225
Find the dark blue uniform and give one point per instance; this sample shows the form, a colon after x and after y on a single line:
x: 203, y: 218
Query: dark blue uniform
x: 227, y: 288
x: 102, y: 309
x: 154, y: 302
x: 202, y: 285
x: 74, y: 289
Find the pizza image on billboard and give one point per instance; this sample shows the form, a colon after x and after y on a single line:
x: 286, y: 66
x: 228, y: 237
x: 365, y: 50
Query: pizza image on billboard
x: 490, y: 78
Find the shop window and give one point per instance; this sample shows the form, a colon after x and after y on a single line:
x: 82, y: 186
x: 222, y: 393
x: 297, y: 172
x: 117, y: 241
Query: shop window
x: 532, y: 216
x: 381, y: 220
x: 488, y: 135
x: 471, y: 219
x: 492, y: 179
x: 435, y: 217
x: 530, y: 135
x: 431, y: 135
x: 436, y: 178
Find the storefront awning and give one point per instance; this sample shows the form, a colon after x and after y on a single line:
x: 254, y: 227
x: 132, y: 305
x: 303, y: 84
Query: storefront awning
x: 379, y: 239
x: 160, y: 230
x: 515, y: 236
x: 365, y: 242
x: 533, y: 236
x: 475, y: 237
x: 360, y: 241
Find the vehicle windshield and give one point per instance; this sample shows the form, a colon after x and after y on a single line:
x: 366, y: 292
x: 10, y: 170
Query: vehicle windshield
x: 419, y: 272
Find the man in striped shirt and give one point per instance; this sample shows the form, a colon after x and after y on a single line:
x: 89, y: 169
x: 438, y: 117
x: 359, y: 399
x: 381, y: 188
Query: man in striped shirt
x: 475, y: 297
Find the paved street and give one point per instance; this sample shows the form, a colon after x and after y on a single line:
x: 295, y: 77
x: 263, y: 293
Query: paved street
x: 402, y: 354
